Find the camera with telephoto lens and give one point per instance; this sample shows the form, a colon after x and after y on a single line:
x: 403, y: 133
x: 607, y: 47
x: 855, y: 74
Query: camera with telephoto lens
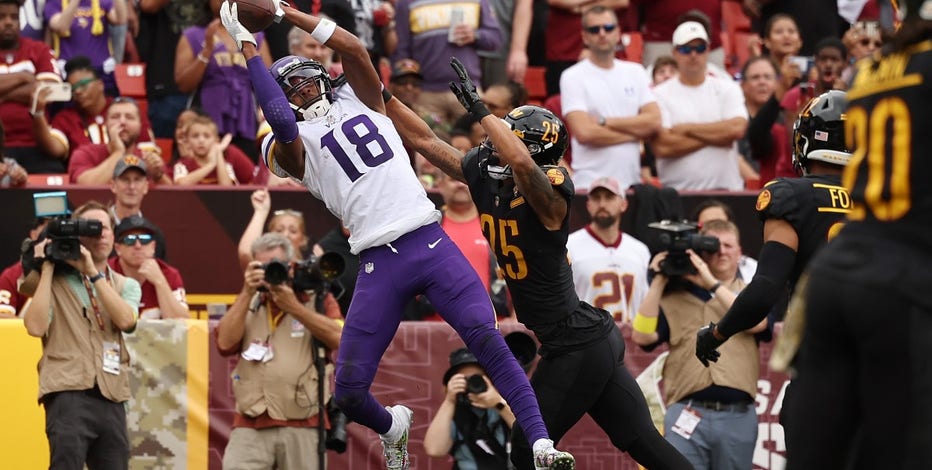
x: 62, y: 231
x: 675, y: 239
x: 313, y: 274
x: 476, y: 384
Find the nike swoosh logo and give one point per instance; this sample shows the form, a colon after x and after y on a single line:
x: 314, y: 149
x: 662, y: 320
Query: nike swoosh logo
x: 432, y: 245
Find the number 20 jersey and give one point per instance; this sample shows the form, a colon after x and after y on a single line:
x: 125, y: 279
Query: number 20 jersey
x: 888, y: 128
x: 356, y: 163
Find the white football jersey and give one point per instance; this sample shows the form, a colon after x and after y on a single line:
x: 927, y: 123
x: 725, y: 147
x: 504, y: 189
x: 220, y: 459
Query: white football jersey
x: 610, y: 277
x: 355, y: 163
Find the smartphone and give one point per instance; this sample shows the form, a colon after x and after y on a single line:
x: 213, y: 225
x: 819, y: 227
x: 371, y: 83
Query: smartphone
x: 457, y: 16
x: 803, y: 62
x: 60, y: 91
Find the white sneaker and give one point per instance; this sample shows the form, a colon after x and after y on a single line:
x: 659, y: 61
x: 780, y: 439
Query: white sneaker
x: 396, y: 452
x: 549, y: 458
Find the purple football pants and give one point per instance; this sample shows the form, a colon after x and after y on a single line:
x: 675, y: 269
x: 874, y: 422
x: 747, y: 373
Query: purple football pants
x: 424, y: 261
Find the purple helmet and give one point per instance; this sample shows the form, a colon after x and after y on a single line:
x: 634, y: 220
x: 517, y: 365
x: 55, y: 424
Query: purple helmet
x: 306, y: 84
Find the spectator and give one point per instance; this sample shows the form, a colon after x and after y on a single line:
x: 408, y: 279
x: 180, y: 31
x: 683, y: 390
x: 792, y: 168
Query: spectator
x: 212, y: 160
x: 302, y: 44
x: 509, y: 61
x: 280, y: 336
x: 862, y: 39
x: 718, y: 401
x: 407, y: 83
x: 661, y: 18
x: 81, y: 308
x: 209, y: 67
x: 609, y: 266
x: 163, y: 294
x: 782, y: 43
x: 27, y: 62
x: 161, y: 23
x: 11, y: 301
x: 12, y: 174
x: 82, y: 123
x: 563, y: 39
x: 664, y: 69
x: 831, y: 57
x: 765, y: 139
x: 423, y: 36
x: 815, y: 20
x: 82, y: 27
x: 129, y: 186
x: 714, y: 209
x: 703, y: 116
x: 375, y: 27
x: 501, y: 98
x: 95, y: 163
x: 473, y: 423
x: 288, y: 222
x: 608, y: 106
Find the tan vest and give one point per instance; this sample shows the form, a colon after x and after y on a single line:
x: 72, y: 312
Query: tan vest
x: 683, y: 374
x: 286, y: 386
x: 72, y: 349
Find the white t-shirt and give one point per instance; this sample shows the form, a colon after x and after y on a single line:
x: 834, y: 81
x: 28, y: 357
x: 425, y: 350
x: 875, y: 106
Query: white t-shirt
x: 355, y: 163
x: 716, y: 99
x: 617, y: 92
x: 609, y: 277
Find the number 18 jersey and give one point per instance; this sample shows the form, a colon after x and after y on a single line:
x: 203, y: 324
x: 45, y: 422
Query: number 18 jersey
x: 355, y: 162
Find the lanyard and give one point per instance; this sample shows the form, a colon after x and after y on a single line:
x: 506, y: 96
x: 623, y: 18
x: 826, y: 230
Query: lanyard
x: 94, y: 305
x: 274, y: 319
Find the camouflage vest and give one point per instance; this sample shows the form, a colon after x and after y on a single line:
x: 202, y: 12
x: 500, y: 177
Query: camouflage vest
x: 683, y: 374
x: 73, y: 347
x: 286, y: 385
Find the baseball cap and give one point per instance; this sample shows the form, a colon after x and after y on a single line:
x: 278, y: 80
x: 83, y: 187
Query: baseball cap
x: 406, y: 67
x: 607, y: 183
x: 134, y: 222
x: 459, y: 358
x: 129, y: 161
x: 689, y: 31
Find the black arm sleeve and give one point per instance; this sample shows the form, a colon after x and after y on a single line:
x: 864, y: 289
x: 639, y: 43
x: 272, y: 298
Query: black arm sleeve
x: 755, y: 301
x: 758, y: 133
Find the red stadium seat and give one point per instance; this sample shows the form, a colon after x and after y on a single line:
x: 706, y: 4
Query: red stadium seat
x: 734, y: 18
x: 536, y: 84
x: 47, y: 179
x: 131, y: 79
x: 166, y: 145
x: 634, y: 46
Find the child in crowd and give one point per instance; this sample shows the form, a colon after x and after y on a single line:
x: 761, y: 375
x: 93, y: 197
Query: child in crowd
x: 212, y: 160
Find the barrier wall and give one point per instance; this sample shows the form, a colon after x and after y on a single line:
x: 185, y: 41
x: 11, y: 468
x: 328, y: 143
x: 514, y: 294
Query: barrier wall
x: 202, y: 226
x: 182, y: 406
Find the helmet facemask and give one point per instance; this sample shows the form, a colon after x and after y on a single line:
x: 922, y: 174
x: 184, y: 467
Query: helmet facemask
x: 307, y: 87
x: 488, y: 159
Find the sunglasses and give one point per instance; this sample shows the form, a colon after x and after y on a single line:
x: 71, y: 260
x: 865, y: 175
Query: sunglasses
x: 867, y: 42
x: 686, y: 49
x: 83, y: 83
x: 600, y: 27
x: 143, y: 238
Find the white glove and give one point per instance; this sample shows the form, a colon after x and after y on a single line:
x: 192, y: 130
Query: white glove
x: 236, y: 29
x: 279, y: 13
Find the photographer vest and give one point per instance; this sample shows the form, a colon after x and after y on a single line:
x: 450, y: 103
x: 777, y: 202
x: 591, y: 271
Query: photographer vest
x: 484, y: 434
x: 73, y: 347
x: 285, y: 387
x: 683, y: 374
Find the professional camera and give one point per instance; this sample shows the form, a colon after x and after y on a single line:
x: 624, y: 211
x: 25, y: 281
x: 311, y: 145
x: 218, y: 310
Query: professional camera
x: 476, y: 384
x: 61, y: 230
x: 675, y: 239
x: 315, y: 273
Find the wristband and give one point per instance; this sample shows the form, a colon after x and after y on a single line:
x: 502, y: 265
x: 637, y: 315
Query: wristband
x: 323, y: 30
x: 479, y: 110
x: 96, y: 277
x: 645, y: 325
x: 386, y: 95
x: 715, y: 287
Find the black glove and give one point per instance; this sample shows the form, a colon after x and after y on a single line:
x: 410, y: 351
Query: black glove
x: 466, y: 92
x: 707, y: 345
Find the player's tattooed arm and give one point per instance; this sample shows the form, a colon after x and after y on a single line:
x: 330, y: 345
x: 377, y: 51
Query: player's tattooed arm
x: 415, y: 133
x: 548, y: 204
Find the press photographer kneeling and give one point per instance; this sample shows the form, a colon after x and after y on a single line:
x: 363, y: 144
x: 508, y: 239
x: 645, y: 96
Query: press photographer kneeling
x: 80, y: 309
x: 282, y: 380
x: 710, y: 410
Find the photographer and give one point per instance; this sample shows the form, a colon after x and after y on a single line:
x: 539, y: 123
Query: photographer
x: 473, y: 424
x: 710, y: 416
x: 80, y: 309
x: 280, y: 336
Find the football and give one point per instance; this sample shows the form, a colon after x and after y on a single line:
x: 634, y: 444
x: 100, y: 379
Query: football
x: 255, y: 15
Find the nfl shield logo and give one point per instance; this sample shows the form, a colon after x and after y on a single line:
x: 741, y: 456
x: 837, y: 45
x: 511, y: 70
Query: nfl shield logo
x: 369, y: 268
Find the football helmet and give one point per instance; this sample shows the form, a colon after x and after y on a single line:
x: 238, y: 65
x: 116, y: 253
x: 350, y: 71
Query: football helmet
x: 819, y: 131
x: 306, y: 83
x: 541, y: 131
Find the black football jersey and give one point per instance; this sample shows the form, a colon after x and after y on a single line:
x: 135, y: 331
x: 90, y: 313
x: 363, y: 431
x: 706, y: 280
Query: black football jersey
x: 814, y: 205
x: 532, y: 258
x: 889, y: 128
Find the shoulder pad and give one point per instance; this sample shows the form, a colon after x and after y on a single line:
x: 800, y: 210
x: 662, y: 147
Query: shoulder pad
x: 777, y: 200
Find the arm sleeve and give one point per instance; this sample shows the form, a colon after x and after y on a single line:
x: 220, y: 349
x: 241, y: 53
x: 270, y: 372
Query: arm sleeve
x: 755, y: 301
